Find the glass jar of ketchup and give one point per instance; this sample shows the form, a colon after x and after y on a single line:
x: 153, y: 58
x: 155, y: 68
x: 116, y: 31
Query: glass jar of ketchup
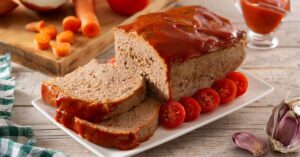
x: 263, y: 17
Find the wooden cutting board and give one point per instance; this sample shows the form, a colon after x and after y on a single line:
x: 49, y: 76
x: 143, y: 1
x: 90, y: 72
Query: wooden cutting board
x: 19, y: 42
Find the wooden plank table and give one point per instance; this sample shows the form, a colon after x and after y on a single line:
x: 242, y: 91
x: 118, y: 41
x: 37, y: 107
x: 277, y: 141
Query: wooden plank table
x: 280, y: 67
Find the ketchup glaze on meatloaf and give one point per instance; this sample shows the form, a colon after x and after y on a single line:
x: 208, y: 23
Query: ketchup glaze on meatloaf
x: 185, y: 32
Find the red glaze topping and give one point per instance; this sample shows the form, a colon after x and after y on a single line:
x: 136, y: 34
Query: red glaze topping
x: 122, y: 141
x: 93, y: 112
x: 185, y: 32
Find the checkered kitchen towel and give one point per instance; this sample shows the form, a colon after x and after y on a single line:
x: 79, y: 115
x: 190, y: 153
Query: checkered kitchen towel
x: 15, y: 140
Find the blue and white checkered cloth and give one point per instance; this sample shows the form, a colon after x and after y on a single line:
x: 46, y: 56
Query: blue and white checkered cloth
x: 15, y: 140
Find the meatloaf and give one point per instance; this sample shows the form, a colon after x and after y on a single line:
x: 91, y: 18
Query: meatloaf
x: 180, y: 50
x: 124, y: 132
x: 95, y: 91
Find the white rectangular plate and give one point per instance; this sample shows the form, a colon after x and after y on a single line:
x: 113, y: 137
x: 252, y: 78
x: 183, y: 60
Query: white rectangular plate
x: 257, y: 89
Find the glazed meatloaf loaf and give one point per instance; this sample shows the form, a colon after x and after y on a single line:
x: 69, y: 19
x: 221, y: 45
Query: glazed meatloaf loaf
x: 125, y: 131
x: 95, y: 91
x: 181, y: 50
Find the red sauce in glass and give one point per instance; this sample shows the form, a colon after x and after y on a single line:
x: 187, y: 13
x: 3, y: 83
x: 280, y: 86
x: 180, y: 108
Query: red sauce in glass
x: 185, y: 32
x: 264, y: 16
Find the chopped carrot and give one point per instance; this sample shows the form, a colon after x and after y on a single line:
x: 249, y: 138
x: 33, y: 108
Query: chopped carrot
x: 35, y: 26
x: 61, y: 49
x: 85, y: 11
x: 71, y: 23
x: 51, y: 30
x: 65, y: 36
x: 42, y: 41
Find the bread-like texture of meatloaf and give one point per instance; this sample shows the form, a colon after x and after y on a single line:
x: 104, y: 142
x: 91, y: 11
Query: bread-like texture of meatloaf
x: 124, y: 132
x: 95, y: 91
x: 181, y: 50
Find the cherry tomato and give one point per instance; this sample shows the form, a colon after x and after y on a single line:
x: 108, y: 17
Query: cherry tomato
x: 112, y: 60
x: 171, y: 114
x: 127, y: 7
x: 240, y: 80
x: 191, y: 107
x: 208, y: 99
x: 226, y: 89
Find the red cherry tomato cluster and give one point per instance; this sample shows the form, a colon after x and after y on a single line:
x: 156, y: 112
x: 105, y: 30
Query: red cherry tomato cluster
x: 173, y: 114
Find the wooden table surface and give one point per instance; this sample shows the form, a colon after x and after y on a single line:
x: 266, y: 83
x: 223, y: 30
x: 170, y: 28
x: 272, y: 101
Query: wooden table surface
x: 279, y: 67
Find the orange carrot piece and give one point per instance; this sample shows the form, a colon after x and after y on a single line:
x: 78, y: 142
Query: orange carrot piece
x: 65, y: 36
x: 85, y: 11
x: 35, y: 26
x: 51, y: 30
x: 61, y: 49
x: 42, y: 41
x: 71, y: 23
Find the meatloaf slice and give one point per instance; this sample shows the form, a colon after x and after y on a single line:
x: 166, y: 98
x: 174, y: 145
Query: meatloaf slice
x: 125, y: 131
x: 181, y: 50
x: 95, y: 91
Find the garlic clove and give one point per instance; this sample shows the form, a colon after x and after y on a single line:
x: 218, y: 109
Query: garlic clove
x: 283, y: 127
x: 277, y: 114
x: 295, y: 144
x: 256, y: 145
x: 284, y: 108
x: 287, y: 129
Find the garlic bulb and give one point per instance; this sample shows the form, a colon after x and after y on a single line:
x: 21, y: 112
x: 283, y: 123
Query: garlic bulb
x: 256, y: 145
x: 283, y: 127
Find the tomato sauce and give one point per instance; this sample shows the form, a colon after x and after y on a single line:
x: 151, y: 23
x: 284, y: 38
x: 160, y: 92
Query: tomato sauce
x: 185, y: 32
x: 264, y: 16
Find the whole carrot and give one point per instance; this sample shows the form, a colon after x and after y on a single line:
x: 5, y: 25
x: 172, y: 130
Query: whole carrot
x: 85, y: 11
